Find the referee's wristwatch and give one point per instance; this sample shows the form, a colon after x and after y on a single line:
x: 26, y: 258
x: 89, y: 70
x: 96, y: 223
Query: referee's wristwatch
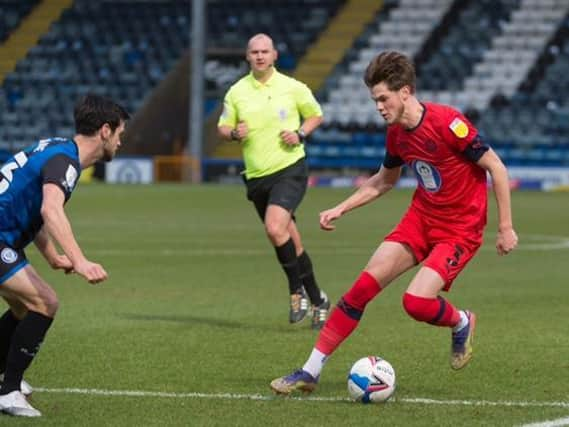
x: 301, y: 135
x: 234, y: 134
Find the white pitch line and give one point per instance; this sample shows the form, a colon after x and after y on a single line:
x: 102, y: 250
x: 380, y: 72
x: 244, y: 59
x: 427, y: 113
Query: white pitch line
x: 238, y: 396
x: 551, y: 423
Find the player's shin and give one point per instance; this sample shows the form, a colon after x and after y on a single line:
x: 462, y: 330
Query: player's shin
x: 347, y: 314
x: 286, y: 255
x: 8, y: 323
x: 26, y: 341
x: 308, y: 279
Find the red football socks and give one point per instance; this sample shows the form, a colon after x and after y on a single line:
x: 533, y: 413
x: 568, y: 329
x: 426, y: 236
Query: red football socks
x: 436, y: 311
x: 347, y: 314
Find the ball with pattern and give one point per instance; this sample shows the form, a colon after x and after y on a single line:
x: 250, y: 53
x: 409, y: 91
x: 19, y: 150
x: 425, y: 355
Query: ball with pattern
x: 371, y: 380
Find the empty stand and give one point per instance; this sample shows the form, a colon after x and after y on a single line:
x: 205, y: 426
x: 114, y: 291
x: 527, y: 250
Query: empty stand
x: 11, y: 13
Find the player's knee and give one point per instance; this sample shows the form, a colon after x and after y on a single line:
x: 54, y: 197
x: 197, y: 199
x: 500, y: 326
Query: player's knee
x: 52, y: 305
x: 46, y: 304
x: 419, y: 308
x: 275, y: 230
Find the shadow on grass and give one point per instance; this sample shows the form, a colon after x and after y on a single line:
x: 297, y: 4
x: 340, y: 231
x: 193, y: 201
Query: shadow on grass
x: 211, y: 321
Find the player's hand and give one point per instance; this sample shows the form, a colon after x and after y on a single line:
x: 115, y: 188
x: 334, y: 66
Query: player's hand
x: 61, y: 262
x: 289, y: 137
x: 506, y: 241
x: 92, y: 272
x: 328, y: 216
x: 241, y: 130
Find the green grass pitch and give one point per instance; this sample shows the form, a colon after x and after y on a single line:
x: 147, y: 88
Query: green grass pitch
x: 196, y: 307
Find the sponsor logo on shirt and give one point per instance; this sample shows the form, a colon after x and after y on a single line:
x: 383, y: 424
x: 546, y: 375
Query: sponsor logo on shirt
x: 428, y: 176
x: 282, y: 114
x: 9, y: 255
x: 459, y: 128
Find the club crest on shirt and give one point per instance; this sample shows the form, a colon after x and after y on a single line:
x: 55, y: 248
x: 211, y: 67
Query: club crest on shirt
x: 9, y: 255
x: 459, y: 128
x: 282, y: 114
x: 428, y: 176
x: 430, y: 146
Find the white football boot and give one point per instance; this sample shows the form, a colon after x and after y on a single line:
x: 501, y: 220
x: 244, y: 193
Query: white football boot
x: 15, y: 403
x: 25, y: 387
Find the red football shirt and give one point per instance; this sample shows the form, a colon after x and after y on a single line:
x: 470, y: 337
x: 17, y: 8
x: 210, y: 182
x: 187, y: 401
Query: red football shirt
x: 452, y: 188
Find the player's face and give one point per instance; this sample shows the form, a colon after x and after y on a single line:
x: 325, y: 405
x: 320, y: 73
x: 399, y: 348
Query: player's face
x: 389, y: 103
x: 111, y: 141
x: 261, y: 54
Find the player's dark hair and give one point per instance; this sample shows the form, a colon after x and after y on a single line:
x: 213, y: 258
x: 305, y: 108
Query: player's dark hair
x: 392, y: 68
x: 93, y: 111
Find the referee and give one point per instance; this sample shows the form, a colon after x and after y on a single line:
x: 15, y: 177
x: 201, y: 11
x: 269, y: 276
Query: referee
x: 263, y: 112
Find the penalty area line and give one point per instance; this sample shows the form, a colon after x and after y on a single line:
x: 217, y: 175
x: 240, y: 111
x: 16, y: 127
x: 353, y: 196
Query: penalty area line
x: 261, y: 397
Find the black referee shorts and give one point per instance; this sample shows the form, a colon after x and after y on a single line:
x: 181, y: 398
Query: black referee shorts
x: 284, y: 188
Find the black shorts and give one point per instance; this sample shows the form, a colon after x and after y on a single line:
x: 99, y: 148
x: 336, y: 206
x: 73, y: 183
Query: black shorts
x: 11, y: 261
x: 284, y: 188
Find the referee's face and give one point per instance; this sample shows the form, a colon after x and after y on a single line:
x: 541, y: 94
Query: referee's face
x: 261, y: 55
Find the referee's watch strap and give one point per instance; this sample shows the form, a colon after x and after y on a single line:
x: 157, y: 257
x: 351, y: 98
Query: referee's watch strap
x: 301, y: 135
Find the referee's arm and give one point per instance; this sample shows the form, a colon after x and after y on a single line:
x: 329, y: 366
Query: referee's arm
x: 224, y: 132
x: 230, y: 133
x: 311, y: 123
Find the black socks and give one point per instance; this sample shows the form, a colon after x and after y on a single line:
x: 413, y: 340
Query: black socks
x: 26, y: 340
x: 286, y: 255
x: 8, y: 323
x: 298, y: 271
x: 308, y: 279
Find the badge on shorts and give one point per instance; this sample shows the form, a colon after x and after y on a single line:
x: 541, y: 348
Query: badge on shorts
x: 459, y: 128
x: 9, y: 255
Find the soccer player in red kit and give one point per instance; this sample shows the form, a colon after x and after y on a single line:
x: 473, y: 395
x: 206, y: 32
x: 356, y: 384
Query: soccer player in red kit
x: 441, y: 230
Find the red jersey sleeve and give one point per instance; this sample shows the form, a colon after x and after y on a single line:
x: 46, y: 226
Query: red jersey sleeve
x: 457, y: 131
x: 392, y: 158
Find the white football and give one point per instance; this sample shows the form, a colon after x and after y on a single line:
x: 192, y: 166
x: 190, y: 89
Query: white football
x: 371, y: 380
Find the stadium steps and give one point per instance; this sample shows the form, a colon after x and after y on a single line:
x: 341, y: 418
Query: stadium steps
x: 28, y: 33
x: 546, y: 57
x: 434, y: 41
x: 335, y: 40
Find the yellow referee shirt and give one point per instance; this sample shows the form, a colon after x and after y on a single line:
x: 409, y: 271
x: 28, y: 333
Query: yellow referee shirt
x: 268, y: 109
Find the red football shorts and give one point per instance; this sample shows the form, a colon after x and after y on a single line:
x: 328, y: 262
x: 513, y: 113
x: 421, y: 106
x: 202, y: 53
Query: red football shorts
x: 436, y: 244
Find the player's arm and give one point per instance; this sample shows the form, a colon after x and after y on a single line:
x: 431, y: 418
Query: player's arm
x: 47, y: 248
x: 59, y: 228
x: 376, y: 186
x: 507, y: 239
